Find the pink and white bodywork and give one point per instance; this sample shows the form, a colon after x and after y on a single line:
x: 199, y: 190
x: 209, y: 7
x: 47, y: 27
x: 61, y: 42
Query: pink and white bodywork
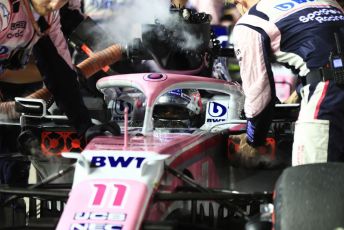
x: 114, y: 183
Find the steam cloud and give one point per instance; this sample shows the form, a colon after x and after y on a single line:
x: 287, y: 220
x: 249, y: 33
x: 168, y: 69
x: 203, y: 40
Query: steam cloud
x: 125, y: 23
x: 190, y: 41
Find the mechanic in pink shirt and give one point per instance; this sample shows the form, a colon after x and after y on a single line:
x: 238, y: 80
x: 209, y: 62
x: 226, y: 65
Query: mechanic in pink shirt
x: 33, y: 27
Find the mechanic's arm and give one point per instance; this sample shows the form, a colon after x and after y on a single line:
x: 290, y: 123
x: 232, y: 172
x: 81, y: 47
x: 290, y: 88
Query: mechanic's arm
x: 71, y: 16
x: 252, y: 47
x: 54, y: 62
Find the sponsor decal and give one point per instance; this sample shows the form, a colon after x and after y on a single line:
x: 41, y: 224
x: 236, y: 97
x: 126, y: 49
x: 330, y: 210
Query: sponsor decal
x: 18, y: 25
x: 114, y: 162
x: 216, y: 112
x: 179, y: 93
x: 323, y: 15
x: 4, y: 16
x: 17, y: 34
x: 4, y: 52
x: 250, y: 131
x: 109, y: 194
x: 238, y: 55
x: 120, y: 106
x: 216, y: 109
x: 113, y: 216
x: 17, y: 30
x: 215, y: 120
x: 291, y: 4
x: 95, y: 226
x: 237, y: 52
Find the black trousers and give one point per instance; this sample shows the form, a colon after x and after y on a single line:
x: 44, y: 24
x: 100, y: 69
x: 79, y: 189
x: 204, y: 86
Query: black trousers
x: 14, y: 170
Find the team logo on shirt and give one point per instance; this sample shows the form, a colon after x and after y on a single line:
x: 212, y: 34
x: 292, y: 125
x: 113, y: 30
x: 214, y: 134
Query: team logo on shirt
x: 3, y: 52
x: 291, y: 4
x: 4, y: 16
x: 17, y: 30
x: 322, y: 15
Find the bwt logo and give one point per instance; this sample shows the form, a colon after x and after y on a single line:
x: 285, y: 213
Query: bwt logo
x: 114, y: 162
x: 216, y: 109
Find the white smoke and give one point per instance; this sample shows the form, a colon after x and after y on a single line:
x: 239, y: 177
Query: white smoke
x: 190, y: 41
x: 125, y: 24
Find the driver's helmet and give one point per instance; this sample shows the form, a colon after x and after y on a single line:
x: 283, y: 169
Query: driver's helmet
x: 180, y: 105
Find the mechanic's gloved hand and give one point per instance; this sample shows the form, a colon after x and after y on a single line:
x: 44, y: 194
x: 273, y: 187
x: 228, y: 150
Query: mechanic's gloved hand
x: 293, y: 98
x: 100, y: 130
x: 28, y: 144
x: 248, y: 156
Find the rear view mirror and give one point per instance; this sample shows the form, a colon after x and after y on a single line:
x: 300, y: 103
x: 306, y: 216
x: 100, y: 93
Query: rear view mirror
x: 30, y: 107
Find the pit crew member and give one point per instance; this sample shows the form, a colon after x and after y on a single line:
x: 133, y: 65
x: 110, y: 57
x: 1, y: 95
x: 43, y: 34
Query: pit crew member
x: 301, y: 35
x: 28, y: 27
x: 35, y: 26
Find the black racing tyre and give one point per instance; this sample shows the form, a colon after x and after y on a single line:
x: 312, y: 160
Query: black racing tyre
x: 310, y: 197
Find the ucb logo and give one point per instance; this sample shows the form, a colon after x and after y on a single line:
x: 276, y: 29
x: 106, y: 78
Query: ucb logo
x: 216, y: 109
x: 120, y: 106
